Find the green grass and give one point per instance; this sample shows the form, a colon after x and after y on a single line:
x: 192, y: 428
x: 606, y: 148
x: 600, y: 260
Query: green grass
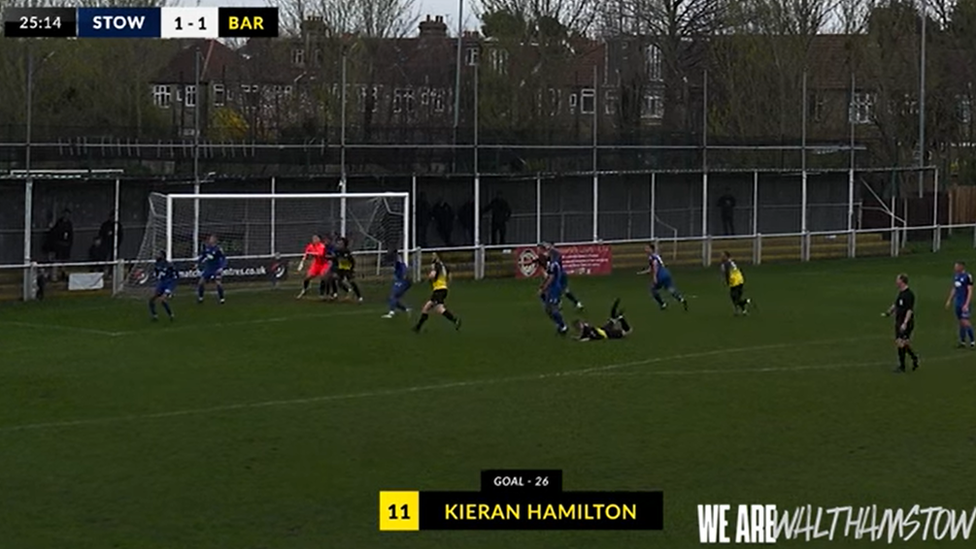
x: 271, y: 423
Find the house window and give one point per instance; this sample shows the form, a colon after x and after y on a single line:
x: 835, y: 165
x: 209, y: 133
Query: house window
x: 654, y: 63
x: 439, y: 101
x: 499, y: 60
x: 317, y: 55
x: 653, y: 106
x: 161, y: 96
x: 964, y: 107
x: 397, y: 100
x: 408, y: 102
x: 861, y: 108
x: 191, y: 96
x: 815, y: 107
x: 572, y: 103
x: 287, y: 91
x: 298, y: 57
x: 368, y: 95
x: 277, y: 91
x: 553, y: 102
x: 471, y: 56
x: 219, y: 95
x: 179, y: 94
x: 610, y: 101
x: 424, y: 97
x: 588, y: 101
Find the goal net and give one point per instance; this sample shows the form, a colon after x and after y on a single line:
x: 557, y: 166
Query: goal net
x: 264, y: 234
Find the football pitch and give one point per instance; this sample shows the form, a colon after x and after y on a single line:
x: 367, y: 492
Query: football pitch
x: 274, y: 423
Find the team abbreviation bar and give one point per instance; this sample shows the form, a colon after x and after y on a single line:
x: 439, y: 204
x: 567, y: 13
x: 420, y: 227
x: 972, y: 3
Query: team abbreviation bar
x: 140, y: 22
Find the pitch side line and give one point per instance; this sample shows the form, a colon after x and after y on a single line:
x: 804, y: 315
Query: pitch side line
x: 182, y: 327
x: 426, y: 388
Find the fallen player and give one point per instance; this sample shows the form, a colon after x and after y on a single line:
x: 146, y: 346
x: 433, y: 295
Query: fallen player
x: 616, y: 327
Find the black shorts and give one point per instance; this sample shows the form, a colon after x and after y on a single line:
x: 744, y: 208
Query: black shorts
x: 735, y: 292
x: 345, y: 274
x: 438, y: 297
x: 904, y: 334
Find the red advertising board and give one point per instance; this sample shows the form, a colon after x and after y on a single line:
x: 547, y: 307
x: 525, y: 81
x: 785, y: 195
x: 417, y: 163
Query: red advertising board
x: 588, y: 259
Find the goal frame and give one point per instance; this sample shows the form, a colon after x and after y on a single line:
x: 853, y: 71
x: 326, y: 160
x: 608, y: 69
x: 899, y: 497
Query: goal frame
x: 196, y: 197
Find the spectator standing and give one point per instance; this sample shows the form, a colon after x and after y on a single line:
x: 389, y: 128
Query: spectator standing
x: 500, y: 212
x: 726, y: 208
x: 107, y: 233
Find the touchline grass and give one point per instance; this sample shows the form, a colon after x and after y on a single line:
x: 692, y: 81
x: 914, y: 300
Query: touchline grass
x: 274, y: 423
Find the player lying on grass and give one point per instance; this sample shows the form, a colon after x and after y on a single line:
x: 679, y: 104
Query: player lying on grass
x: 401, y: 283
x: 166, y: 279
x: 616, y: 327
x: 439, y: 278
x: 211, y: 263
x: 962, y: 294
x: 318, y: 269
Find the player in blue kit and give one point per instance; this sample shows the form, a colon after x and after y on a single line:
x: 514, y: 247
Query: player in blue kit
x: 212, y: 263
x: 401, y: 283
x: 962, y: 294
x: 551, y: 292
x: 166, y: 279
x: 661, y: 278
x: 553, y: 254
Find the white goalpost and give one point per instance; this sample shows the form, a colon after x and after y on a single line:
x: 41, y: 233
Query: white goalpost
x: 255, y: 230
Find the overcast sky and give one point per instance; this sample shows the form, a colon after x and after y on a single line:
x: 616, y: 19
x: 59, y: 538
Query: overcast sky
x: 447, y: 8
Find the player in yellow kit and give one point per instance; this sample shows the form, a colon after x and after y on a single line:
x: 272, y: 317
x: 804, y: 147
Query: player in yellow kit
x: 736, y: 283
x: 439, y: 278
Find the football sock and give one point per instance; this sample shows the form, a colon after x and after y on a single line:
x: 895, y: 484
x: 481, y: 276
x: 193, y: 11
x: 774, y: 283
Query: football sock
x: 657, y: 297
x: 969, y: 331
x: 220, y: 291
x: 321, y: 287
x: 448, y: 315
x: 199, y: 291
x: 168, y: 310
x: 305, y: 285
x: 557, y: 317
x: 624, y: 325
x: 910, y: 352
x: 355, y: 288
x: 571, y: 297
x: 152, y: 307
x: 677, y: 294
x: 962, y: 334
x: 400, y: 306
x: 901, y: 357
x: 613, y: 308
x: 423, y: 318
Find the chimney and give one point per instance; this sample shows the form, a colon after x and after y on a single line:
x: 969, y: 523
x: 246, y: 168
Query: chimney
x: 433, y: 28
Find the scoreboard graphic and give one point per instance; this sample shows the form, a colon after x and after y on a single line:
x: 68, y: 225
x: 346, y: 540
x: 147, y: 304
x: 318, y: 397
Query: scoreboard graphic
x: 140, y: 22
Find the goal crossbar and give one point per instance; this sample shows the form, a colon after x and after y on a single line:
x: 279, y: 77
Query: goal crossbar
x: 288, y: 196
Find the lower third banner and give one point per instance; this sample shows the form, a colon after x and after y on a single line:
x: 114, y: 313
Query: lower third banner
x: 521, y: 509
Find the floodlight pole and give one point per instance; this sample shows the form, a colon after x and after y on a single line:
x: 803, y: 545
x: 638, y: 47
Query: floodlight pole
x: 342, y: 149
x: 196, y: 150
x: 921, y: 103
x: 28, y: 181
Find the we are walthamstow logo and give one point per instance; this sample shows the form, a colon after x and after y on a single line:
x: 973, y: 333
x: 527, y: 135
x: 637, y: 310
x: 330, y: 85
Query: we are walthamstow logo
x: 768, y: 524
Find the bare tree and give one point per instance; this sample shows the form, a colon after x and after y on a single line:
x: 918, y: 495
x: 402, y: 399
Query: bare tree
x: 546, y: 17
x: 367, y: 18
x: 677, y: 30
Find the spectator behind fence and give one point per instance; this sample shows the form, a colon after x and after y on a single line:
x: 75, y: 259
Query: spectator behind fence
x: 444, y: 221
x: 726, y: 207
x: 60, y: 239
x: 466, y: 219
x: 107, y: 233
x: 423, y: 216
x: 96, y: 252
x: 501, y: 212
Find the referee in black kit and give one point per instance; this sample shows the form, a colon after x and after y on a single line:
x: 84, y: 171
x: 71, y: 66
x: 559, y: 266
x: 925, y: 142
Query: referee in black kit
x: 904, y: 310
